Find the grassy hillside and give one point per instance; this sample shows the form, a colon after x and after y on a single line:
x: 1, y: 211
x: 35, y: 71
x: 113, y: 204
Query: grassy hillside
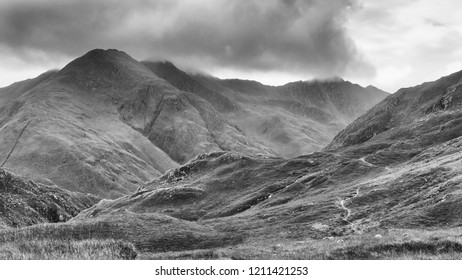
x: 249, y: 117
x: 24, y: 203
x: 64, y: 127
x: 393, y: 196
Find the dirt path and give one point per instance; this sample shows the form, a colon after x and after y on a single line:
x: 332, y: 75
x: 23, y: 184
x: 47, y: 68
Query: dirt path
x: 344, y: 201
x: 303, y: 178
x: 363, y: 161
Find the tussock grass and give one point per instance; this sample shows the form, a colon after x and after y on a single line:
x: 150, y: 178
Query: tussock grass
x: 60, y: 231
x: 53, y: 242
x: 47, y: 249
x: 394, y: 245
x: 145, y: 232
x: 400, y: 244
x: 203, y: 254
x: 406, y: 250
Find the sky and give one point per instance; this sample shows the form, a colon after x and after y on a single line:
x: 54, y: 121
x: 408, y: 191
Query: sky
x: 389, y: 44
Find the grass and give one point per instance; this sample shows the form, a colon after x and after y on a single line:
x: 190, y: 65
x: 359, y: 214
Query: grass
x: 394, y: 245
x: 123, y: 235
x: 265, y: 231
x: 202, y: 254
x: 51, y: 242
x: 92, y: 242
x: 47, y: 249
x: 407, y: 250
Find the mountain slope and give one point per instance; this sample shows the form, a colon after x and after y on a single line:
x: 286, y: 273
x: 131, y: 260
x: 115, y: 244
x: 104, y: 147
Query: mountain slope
x: 408, y: 175
x: 66, y: 129
x: 24, y: 203
x: 290, y: 120
x: 407, y: 122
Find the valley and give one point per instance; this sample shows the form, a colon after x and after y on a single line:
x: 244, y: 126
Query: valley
x: 168, y: 164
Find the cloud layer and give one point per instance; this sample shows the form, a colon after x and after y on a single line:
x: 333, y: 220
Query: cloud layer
x: 409, y: 42
x: 294, y: 36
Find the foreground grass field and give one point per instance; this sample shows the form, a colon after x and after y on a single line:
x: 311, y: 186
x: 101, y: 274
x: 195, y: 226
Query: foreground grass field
x: 397, y: 244
x: 47, y: 242
x: 55, y: 242
x: 91, y: 249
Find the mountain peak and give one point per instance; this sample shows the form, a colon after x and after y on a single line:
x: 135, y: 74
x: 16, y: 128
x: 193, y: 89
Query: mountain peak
x: 100, y: 68
x: 101, y: 58
x: 105, y: 51
x: 105, y: 54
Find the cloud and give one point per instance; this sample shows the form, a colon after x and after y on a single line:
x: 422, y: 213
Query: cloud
x: 295, y: 36
x: 409, y: 42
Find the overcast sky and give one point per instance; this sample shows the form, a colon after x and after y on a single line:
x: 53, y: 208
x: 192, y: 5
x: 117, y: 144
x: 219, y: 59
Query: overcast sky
x: 389, y: 44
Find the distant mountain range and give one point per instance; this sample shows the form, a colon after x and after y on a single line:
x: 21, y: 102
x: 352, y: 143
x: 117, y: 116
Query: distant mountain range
x: 106, y: 123
x: 287, y: 121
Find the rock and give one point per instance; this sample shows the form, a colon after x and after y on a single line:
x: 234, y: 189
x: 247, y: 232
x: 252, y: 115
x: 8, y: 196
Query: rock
x: 320, y: 227
x: 378, y: 236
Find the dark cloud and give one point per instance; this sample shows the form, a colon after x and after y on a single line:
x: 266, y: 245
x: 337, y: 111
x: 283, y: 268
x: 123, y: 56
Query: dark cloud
x: 304, y: 36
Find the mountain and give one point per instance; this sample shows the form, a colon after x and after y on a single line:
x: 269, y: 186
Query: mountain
x: 406, y: 123
x: 64, y: 127
x: 186, y: 161
x: 394, y: 173
x: 106, y: 123
x: 287, y: 121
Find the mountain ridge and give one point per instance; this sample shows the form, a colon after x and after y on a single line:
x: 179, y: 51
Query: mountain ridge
x: 106, y: 113
x: 270, y: 111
